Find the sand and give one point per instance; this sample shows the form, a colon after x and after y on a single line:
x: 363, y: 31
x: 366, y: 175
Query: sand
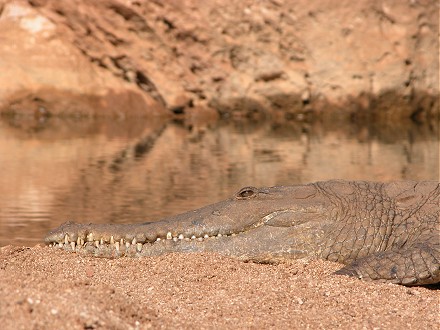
x: 42, y: 288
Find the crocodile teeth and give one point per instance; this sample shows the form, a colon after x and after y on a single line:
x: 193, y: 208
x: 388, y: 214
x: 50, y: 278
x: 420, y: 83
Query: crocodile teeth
x: 139, y: 247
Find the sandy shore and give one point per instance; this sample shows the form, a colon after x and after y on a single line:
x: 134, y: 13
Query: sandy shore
x: 46, y: 289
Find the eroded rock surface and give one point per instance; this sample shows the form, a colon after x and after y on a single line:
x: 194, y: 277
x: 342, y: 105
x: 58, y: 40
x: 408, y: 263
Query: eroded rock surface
x: 142, y: 57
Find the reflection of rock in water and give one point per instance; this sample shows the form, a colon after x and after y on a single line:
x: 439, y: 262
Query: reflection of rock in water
x: 174, y: 168
x: 143, y: 146
x: 69, y: 166
x: 135, y: 151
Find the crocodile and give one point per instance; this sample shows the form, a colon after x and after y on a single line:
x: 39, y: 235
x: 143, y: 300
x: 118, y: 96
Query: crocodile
x: 385, y: 232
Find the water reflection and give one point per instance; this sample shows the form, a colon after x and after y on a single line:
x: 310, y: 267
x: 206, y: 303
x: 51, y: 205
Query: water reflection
x: 138, y: 170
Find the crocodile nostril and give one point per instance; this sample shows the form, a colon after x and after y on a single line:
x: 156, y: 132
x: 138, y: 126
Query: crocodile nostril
x: 246, y: 193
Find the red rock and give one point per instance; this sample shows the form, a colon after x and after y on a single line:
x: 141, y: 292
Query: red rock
x: 94, y: 58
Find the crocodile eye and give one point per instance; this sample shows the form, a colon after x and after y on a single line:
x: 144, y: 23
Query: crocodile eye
x: 246, y: 193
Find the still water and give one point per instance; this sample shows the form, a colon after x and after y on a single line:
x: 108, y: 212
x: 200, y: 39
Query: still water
x: 142, y: 170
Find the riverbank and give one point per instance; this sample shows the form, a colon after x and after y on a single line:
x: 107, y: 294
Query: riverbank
x: 50, y: 289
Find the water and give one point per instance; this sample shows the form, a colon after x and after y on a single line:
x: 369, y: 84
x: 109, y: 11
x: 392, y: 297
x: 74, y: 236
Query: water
x: 139, y: 170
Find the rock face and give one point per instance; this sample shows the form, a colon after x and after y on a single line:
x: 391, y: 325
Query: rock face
x: 157, y: 57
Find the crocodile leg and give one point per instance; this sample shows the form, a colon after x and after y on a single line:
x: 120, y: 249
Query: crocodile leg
x: 418, y: 264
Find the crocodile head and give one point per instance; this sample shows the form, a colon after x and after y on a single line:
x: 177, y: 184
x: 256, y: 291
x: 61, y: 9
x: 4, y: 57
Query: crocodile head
x: 256, y: 223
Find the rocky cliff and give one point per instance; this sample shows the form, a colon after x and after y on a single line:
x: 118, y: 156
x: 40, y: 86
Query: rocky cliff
x: 124, y: 57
